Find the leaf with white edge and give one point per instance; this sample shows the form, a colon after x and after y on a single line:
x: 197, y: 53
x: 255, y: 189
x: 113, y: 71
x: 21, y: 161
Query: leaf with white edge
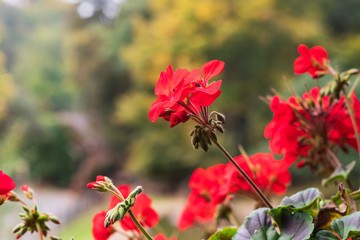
x: 224, y: 234
x: 340, y: 173
x: 348, y: 226
x: 257, y: 226
x: 325, y: 235
x: 307, y: 201
x: 293, y: 225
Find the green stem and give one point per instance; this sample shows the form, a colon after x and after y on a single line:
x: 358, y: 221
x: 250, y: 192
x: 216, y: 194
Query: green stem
x: 247, y: 178
x: 142, y: 229
x: 39, y: 230
x: 114, y: 190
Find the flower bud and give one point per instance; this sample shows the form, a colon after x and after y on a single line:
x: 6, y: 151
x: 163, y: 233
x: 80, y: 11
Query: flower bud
x: 54, y: 219
x: 29, y: 193
x: 101, y: 184
x: 13, y: 197
x: 3, y: 199
x: 55, y: 238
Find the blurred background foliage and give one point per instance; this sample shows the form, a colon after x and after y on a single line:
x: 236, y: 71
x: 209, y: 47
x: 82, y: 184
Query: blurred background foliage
x: 77, y: 79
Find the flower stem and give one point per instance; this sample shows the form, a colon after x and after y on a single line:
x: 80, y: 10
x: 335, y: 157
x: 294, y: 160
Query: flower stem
x: 39, y: 230
x: 142, y: 229
x: 114, y: 190
x: 252, y: 184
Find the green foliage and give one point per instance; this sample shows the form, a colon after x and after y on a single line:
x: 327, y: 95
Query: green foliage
x: 306, y: 201
x: 257, y: 226
x: 224, y: 234
x: 340, y: 174
x: 345, y: 227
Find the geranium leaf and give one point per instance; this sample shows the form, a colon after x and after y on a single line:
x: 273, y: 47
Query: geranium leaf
x: 307, y: 201
x: 293, y: 225
x: 348, y: 226
x: 224, y: 234
x: 325, y: 235
x: 340, y: 173
x: 257, y: 226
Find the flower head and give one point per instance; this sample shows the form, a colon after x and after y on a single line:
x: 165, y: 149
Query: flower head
x: 314, y: 61
x: 205, y: 196
x: 270, y: 175
x: 310, y: 127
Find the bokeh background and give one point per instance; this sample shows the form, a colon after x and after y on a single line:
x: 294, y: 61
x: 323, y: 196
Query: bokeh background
x: 77, y: 80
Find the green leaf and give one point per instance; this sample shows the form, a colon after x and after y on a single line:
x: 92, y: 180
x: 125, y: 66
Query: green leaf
x: 306, y: 201
x: 340, y: 173
x: 348, y: 226
x: 325, y: 235
x: 224, y: 234
x: 257, y: 226
x: 293, y: 225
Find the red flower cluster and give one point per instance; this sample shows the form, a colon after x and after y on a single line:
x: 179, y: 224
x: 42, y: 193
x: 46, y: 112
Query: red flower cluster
x: 211, y: 186
x: 142, y: 211
x: 311, y: 127
x: 6, y: 184
x: 270, y: 175
x: 205, y: 196
x: 182, y: 93
x: 314, y: 61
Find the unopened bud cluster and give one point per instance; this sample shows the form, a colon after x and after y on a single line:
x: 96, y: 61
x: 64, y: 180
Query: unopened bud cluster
x: 202, y: 135
x: 120, y: 210
x: 102, y: 184
x: 33, y: 221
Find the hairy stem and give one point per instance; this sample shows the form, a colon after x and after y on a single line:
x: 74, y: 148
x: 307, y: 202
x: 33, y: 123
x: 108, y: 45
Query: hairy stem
x: 114, y: 190
x: 247, y: 178
x: 142, y: 229
x: 39, y: 230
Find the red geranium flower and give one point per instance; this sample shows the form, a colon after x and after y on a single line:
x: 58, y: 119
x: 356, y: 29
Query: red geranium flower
x: 183, y: 94
x: 270, y: 175
x: 314, y: 61
x: 205, y: 196
x: 6, y: 184
x: 311, y: 127
x: 142, y: 210
x: 98, y: 229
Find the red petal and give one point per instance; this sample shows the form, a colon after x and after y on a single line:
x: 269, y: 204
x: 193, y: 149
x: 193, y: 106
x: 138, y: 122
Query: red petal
x: 211, y: 69
x: 319, y: 53
x: 302, y: 64
x: 6, y: 184
x: 303, y: 50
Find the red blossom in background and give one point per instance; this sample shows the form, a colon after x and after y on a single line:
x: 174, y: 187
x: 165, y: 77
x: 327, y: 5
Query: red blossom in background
x: 98, y: 229
x: 270, y: 175
x: 142, y: 210
x: 205, y: 196
x: 313, y: 61
x: 6, y: 184
x: 310, y: 127
x: 212, y: 186
x: 161, y: 236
